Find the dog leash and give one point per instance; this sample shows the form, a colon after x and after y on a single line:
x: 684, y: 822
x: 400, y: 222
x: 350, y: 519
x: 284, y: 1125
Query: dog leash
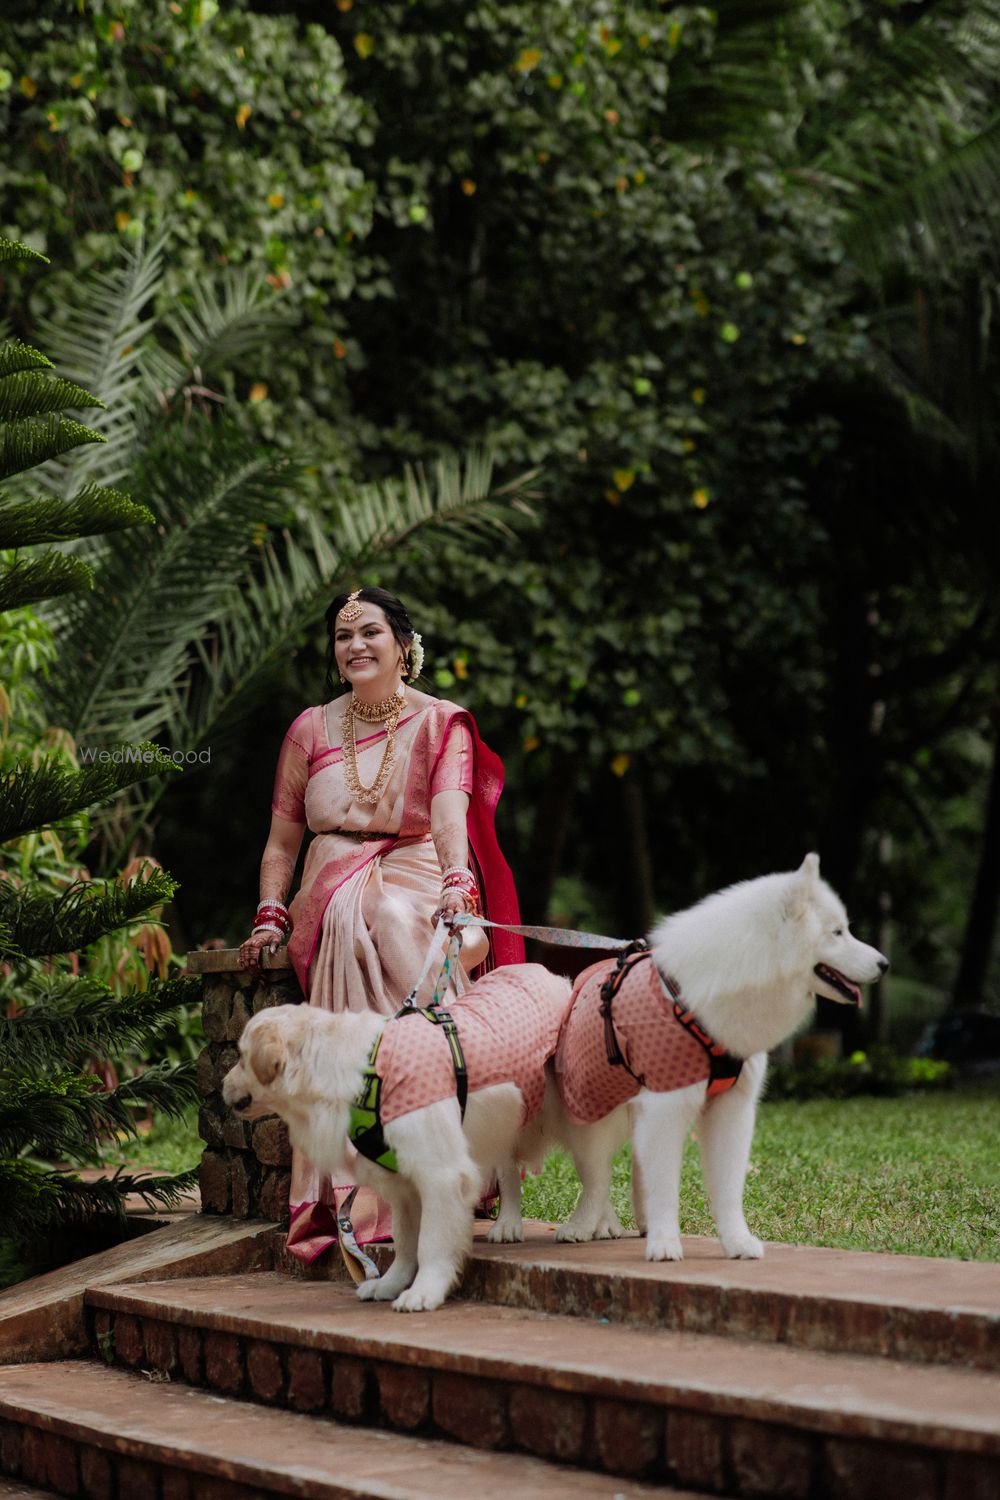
x: 563, y: 937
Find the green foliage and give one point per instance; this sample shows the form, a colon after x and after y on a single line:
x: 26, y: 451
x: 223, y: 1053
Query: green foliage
x: 52, y: 1106
x: 879, y: 1071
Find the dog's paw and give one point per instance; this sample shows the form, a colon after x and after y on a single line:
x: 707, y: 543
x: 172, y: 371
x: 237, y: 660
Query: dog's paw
x: 574, y: 1234
x: 506, y: 1232
x: 376, y: 1291
x: 608, y: 1227
x: 664, y: 1247
x: 743, y: 1247
x: 415, y: 1300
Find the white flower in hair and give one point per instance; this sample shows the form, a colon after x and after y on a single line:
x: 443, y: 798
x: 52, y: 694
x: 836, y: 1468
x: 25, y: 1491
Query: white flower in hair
x: 416, y: 657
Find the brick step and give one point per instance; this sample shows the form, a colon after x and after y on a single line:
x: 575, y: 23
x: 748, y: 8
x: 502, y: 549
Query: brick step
x: 900, y: 1306
x: 13, y: 1489
x: 713, y: 1412
x: 89, y: 1431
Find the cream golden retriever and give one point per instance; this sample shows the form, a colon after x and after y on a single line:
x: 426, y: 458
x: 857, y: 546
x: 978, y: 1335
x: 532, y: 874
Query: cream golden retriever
x: 308, y: 1066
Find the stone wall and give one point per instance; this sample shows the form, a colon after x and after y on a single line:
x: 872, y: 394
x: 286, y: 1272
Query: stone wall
x: 246, y: 1165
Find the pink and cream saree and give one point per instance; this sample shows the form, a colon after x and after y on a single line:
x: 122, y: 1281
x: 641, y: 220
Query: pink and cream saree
x: 371, y: 881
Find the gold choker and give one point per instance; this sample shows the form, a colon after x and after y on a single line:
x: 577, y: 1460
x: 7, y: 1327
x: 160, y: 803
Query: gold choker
x: 375, y: 713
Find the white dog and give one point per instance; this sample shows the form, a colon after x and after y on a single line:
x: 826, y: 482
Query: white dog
x: 394, y: 1084
x: 690, y: 1027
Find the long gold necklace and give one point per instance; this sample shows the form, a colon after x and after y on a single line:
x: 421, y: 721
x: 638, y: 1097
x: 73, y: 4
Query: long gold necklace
x: 387, y: 712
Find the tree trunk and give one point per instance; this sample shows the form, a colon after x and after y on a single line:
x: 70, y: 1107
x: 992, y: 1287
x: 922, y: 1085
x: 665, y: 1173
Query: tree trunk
x: 636, y: 879
x: 548, y: 838
x: 980, y: 928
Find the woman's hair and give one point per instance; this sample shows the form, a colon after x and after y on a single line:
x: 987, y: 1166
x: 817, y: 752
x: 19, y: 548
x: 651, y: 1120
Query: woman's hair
x: 395, y: 612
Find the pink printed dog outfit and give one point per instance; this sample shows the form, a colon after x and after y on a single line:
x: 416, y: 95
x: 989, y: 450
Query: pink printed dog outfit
x: 508, y: 1024
x: 657, y: 1042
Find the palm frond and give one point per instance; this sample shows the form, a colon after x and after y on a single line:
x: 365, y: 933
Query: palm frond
x: 98, y: 338
x: 216, y: 321
x: 163, y: 587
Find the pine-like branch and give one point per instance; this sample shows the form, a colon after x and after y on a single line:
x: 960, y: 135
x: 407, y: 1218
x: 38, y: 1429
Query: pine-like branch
x: 32, y: 797
x: 67, y: 1019
x: 23, y: 445
x: 16, y: 356
x: 50, y: 576
x: 37, y: 1200
x: 30, y: 394
x: 65, y: 1113
x: 43, y: 925
x: 14, y: 250
x: 93, y: 511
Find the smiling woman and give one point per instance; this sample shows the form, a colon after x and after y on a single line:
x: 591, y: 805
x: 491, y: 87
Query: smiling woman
x: 399, y: 793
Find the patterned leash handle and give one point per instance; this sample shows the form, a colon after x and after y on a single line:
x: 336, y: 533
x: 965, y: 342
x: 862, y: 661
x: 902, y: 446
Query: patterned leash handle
x: 563, y: 937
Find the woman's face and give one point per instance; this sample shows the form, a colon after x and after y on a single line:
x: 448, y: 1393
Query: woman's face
x: 367, y: 652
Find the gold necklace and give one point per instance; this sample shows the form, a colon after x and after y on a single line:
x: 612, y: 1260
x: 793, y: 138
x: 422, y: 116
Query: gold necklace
x: 386, y: 711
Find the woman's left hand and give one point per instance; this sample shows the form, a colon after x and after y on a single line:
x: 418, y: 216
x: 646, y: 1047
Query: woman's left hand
x: 451, y: 904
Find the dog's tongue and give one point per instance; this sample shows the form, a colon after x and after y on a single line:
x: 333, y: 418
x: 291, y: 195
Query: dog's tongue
x: 841, y: 982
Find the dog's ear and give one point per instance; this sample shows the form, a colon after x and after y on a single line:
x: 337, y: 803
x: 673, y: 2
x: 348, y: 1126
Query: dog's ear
x: 802, y: 887
x: 267, y: 1054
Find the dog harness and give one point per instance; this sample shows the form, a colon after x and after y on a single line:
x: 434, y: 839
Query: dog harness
x: 627, y: 1029
x: 503, y: 1030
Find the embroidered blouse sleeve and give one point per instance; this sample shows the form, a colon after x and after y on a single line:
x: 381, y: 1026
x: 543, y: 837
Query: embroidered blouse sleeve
x: 292, y: 775
x: 454, y: 769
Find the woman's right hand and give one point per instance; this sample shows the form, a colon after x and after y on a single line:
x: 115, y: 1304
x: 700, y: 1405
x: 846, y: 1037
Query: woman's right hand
x: 253, y: 947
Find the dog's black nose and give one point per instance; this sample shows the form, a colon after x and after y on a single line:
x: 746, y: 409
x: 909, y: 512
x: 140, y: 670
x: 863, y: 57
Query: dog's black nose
x: 883, y: 964
x: 243, y: 1103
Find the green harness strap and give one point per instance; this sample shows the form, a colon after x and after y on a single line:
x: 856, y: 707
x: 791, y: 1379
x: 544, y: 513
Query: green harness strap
x: 365, y: 1127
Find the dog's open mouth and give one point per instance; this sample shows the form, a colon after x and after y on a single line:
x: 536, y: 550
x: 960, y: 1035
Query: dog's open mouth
x: 839, y: 982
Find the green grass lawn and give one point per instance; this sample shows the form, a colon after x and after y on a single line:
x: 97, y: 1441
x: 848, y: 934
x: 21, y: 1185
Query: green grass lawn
x: 919, y: 1174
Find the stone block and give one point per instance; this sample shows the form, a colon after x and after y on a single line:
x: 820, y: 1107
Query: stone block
x: 871, y: 1471
x: 274, y: 1189
x: 242, y: 1173
x: 228, y: 1058
x: 350, y: 1389
x: 223, y: 1362
x: 216, y: 1005
x: 771, y: 1461
x: 161, y: 1345
x: 239, y: 1015
x: 473, y: 1411
x: 306, y: 1380
x: 282, y: 989
x: 694, y: 1449
x: 210, y: 1123
x: 215, y: 1182
x: 264, y: 1373
x: 270, y: 1142
x: 550, y: 1424
x: 129, y: 1347
x: 61, y: 1465
x: 96, y: 1479
x: 404, y: 1395
x: 205, y: 1071
x: 189, y: 1353
x: 236, y: 1132
x: 627, y: 1437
